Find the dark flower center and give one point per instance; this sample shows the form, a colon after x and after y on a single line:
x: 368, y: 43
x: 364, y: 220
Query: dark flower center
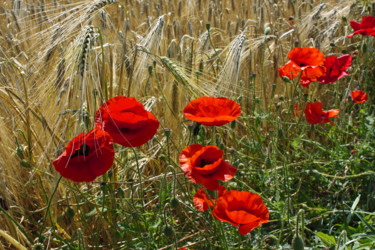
x: 204, y: 163
x: 83, y: 150
x: 302, y: 65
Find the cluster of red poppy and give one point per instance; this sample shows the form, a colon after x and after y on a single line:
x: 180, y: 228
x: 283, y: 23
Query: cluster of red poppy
x: 121, y: 120
x: 311, y: 65
x: 206, y: 166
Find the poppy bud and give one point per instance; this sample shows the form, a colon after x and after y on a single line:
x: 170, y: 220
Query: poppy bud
x: 167, y: 132
x: 286, y: 79
x: 70, y: 212
x: 174, y: 202
x: 267, y: 31
x: 291, y: 18
x: 297, y: 243
x: 274, y: 86
x: 19, y: 152
x: 344, y: 19
x: 281, y: 98
x: 332, y: 44
x: 162, y: 157
x: 168, y: 230
x: 253, y: 75
x: 149, y: 69
x: 25, y: 164
x: 296, y: 43
x: 208, y: 26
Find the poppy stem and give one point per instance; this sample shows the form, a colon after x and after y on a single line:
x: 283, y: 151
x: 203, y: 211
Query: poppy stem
x: 213, y: 135
x: 139, y: 176
x: 49, y: 205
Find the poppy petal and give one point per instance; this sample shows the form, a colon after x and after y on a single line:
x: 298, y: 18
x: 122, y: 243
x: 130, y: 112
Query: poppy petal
x: 290, y: 69
x: 126, y: 120
x: 247, y: 228
x: 306, y: 56
x: 314, y: 113
x: 242, y: 209
x: 202, y: 201
x: 212, y: 111
x: 86, y: 157
x: 359, y: 96
x: 366, y: 27
x: 205, y: 165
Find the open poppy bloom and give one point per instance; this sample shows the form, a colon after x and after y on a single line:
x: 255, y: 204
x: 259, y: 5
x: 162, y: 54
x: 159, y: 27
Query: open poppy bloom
x: 126, y: 120
x: 86, y: 157
x: 202, y: 201
x: 359, y: 96
x: 314, y: 113
x: 365, y: 28
x: 205, y: 165
x: 212, y: 111
x: 335, y: 68
x: 242, y: 209
x: 307, y: 60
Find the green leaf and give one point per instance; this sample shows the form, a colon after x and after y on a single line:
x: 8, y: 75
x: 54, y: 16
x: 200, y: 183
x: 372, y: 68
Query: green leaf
x: 326, y: 239
x: 355, y: 203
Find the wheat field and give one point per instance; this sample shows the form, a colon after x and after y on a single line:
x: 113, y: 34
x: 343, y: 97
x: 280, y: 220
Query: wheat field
x: 60, y: 60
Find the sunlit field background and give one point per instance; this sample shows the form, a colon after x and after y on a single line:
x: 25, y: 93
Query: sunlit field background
x: 60, y: 60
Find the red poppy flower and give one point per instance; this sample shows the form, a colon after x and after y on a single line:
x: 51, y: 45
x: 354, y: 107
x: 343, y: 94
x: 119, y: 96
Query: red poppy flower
x: 366, y: 27
x: 86, y: 157
x: 126, y: 120
x: 205, y: 165
x: 212, y: 111
x: 335, y: 68
x: 314, y: 113
x: 307, y: 60
x: 241, y: 209
x: 359, y: 96
x: 202, y: 201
